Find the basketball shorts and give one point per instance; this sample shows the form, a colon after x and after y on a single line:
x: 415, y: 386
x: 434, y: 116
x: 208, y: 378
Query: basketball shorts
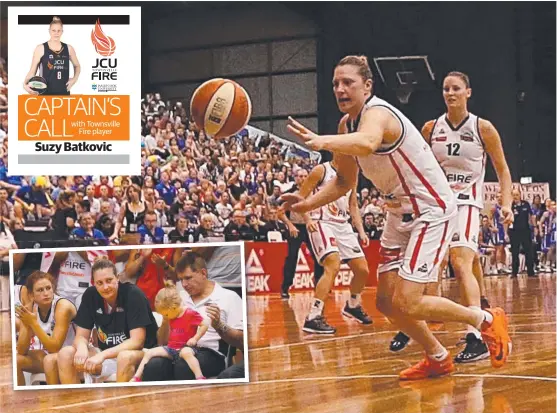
x: 467, y: 232
x: 499, y: 236
x: 548, y: 241
x: 333, y: 237
x: 414, y: 248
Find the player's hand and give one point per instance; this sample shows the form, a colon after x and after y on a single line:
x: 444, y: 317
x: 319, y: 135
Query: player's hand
x: 70, y: 83
x: 312, y: 226
x: 93, y: 365
x: 295, y: 203
x: 294, y: 232
x: 213, y: 312
x: 26, y: 316
x: 79, y: 359
x: 507, y: 215
x: 29, y: 90
x: 192, y: 342
x: 310, y: 139
x: 365, y: 239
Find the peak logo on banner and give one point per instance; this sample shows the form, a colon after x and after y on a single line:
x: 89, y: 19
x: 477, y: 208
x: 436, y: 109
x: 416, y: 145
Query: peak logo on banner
x: 84, y: 120
x: 104, y: 45
x: 253, y: 264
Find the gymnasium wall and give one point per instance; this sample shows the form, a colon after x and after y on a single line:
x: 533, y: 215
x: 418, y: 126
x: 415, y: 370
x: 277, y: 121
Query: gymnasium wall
x: 268, y: 48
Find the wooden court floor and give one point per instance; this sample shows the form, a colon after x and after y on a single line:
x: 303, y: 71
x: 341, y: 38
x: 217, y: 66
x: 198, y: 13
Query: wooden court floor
x: 350, y: 372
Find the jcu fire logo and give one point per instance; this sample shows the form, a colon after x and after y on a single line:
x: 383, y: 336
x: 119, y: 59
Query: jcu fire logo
x: 104, y: 45
x: 102, y: 335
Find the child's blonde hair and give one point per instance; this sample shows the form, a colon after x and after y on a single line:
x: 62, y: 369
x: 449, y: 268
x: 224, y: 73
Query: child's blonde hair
x: 168, y: 297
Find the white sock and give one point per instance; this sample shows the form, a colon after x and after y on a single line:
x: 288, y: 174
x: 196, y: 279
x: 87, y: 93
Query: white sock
x: 472, y: 329
x: 441, y: 355
x: 316, y: 308
x: 354, y: 300
x: 487, y: 316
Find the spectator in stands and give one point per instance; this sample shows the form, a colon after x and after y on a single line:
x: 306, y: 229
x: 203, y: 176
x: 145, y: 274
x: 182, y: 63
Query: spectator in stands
x: 6, y: 207
x: 95, y: 204
x: 180, y: 233
x: 87, y: 230
x: 122, y: 334
x: 238, y: 229
x: 258, y: 228
x: 207, y: 297
x: 133, y: 210
x: 166, y: 191
x: 205, y: 232
x: 149, y: 231
x: 32, y: 200
x: 44, y: 329
x: 274, y: 199
x: 273, y: 224
x: 65, y: 216
x: 160, y: 210
x: 369, y: 226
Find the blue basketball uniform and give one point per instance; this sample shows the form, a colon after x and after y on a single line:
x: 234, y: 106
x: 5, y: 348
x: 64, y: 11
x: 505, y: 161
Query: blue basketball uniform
x: 548, y: 239
x: 499, y: 236
x: 487, y: 239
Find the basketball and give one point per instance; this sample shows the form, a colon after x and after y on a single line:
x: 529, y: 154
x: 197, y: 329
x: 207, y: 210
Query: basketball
x: 37, y: 84
x: 220, y: 107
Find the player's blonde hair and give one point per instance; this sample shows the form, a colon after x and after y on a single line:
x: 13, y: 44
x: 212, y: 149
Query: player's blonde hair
x: 56, y: 20
x: 360, y: 62
x: 168, y: 297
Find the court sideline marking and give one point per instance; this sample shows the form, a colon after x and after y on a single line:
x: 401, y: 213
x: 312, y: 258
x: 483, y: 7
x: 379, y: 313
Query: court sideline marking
x: 292, y: 380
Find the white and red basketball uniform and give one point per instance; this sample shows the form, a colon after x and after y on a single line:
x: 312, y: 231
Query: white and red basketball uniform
x: 461, y: 153
x: 420, y: 203
x: 48, y: 326
x: 334, y: 233
x: 74, y: 276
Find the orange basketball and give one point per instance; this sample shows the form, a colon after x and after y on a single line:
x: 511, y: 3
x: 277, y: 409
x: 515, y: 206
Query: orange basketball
x: 220, y: 107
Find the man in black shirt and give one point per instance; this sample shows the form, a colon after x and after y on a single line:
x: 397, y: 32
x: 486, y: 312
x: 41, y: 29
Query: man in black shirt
x: 181, y: 232
x: 369, y: 226
x: 520, y: 233
x: 238, y: 229
x: 124, y: 323
x: 273, y: 224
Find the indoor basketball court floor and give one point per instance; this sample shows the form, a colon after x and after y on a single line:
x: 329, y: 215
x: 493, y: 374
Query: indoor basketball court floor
x: 352, y: 371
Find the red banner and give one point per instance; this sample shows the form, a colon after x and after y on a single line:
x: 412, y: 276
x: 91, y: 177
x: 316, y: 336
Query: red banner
x: 265, y: 264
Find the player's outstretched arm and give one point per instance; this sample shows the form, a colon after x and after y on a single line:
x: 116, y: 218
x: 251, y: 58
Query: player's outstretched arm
x: 376, y: 124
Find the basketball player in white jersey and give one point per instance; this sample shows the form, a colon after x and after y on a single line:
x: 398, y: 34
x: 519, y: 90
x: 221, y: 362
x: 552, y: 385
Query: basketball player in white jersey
x: 333, y: 239
x: 45, y: 329
x: 460, y: 142
x: 72, y: 270
x: 391, y: 152
x: 53, y: 59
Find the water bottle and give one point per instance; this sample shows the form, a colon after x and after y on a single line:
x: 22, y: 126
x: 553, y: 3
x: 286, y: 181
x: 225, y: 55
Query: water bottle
x: 147, y: 240
x: 165, y: 239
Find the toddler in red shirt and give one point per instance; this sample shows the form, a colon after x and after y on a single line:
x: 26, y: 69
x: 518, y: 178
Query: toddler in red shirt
x: 186, y: 327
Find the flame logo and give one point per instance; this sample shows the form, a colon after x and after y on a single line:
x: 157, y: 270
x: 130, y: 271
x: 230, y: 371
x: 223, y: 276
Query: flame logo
x: 104, y: 45
x: 102, y: 335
